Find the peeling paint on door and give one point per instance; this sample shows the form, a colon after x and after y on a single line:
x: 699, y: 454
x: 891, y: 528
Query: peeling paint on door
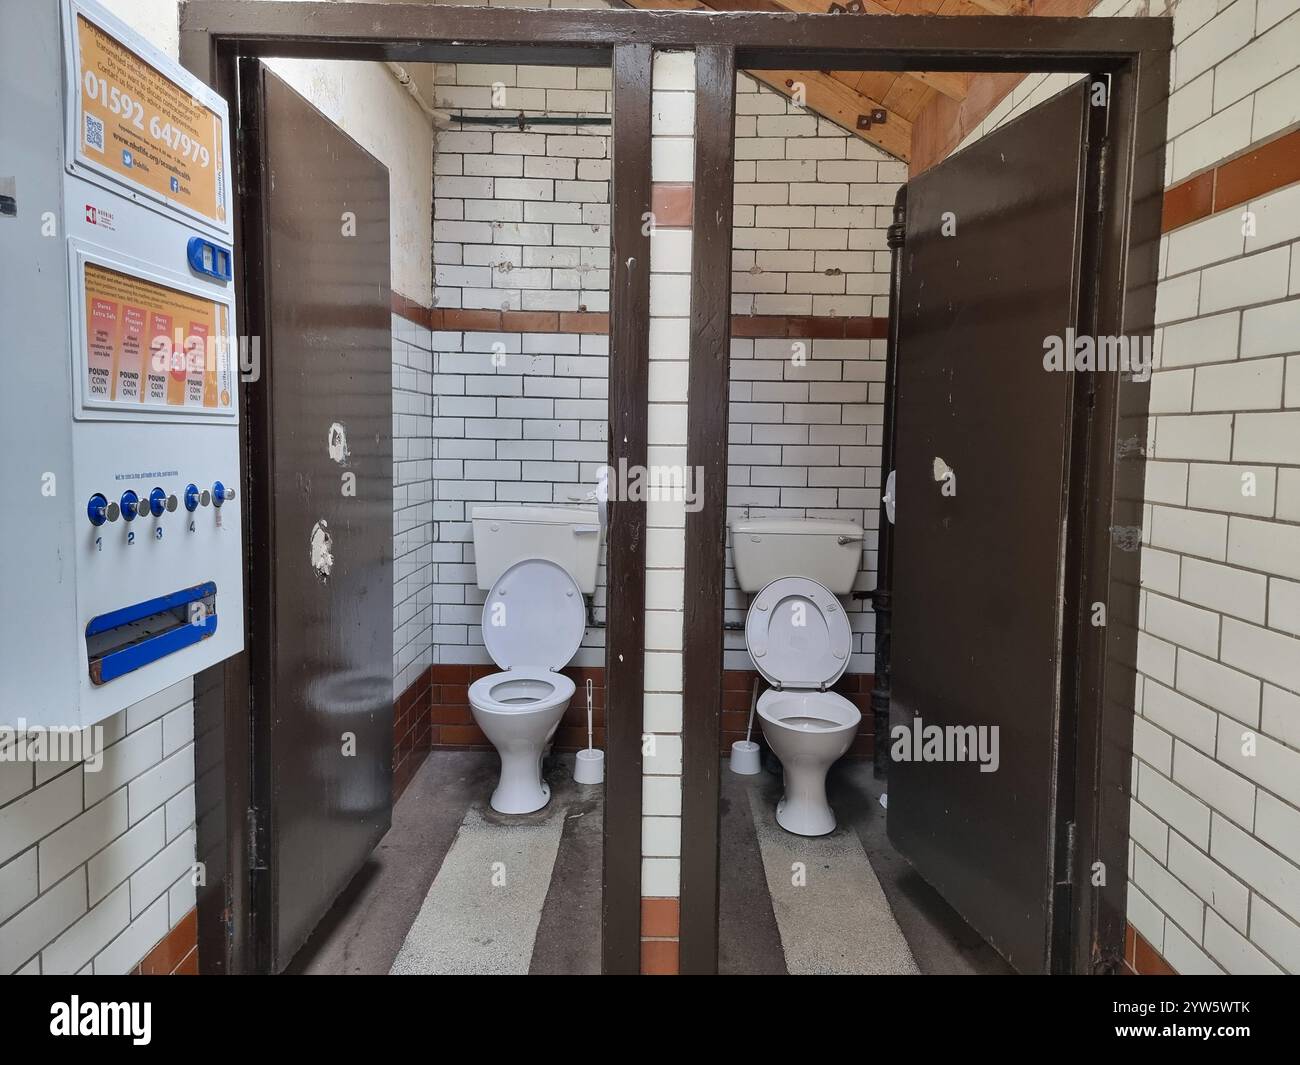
x: 338, y: 443
x: 322, y: 550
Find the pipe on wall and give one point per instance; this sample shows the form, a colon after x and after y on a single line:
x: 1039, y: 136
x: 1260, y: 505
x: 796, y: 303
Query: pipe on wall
x: 440, y: 118
x: 881, y: 598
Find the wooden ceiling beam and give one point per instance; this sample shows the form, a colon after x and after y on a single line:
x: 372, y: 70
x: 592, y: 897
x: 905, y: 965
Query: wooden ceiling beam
x: 843, y: 105
x: 824, y: 94
x: 951, y: 85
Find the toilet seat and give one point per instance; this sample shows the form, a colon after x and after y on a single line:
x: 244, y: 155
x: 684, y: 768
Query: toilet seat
x: 516, y: 691
x: 798, y: 635
x: 534, y: 617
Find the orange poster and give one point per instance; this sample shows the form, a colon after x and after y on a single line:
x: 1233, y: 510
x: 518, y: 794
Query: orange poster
x: 141, y: 126
x: 153, y: 345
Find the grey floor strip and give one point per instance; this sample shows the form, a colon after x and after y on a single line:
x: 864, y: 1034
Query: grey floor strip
x: 482, y: 911
x: 365, y: 929
x: 749, y: 943
x: 568, y: 935
x: 838, y: 921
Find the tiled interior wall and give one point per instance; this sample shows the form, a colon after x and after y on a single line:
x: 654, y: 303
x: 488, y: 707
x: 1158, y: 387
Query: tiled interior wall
x: 812, y: 202
x: 1215, y: 831
x: 672, y: 129
x: 521, y: 224
x: 96, y: 866
x: 805, y: 442
x: 532, y: 429
x: 415, y: 552
x: 522, y: 217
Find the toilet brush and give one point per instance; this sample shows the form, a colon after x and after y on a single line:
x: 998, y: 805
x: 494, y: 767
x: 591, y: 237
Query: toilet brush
x: 744, y: 753
x: 590, y: 766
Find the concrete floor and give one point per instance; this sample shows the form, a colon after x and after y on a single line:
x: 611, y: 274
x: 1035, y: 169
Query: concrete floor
x: 366, y: 927
x: 748, y: 938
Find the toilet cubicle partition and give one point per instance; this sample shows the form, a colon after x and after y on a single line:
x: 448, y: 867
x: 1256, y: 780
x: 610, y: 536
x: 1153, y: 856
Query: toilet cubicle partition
x: 1132, y: 53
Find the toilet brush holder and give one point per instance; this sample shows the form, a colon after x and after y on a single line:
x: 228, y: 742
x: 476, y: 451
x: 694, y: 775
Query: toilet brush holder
x: 745, y: 758
x: 590, y: 767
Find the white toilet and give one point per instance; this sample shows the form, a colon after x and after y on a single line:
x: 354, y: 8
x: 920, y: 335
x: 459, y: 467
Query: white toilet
x: 799, y: 638
x: 536, y: 563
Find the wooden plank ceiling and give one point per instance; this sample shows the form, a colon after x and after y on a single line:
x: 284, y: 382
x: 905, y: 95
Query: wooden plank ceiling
x: 849, y: 97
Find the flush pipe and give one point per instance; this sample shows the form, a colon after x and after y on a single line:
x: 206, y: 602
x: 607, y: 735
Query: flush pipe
x: 440, y: 118
x: 882, y: 596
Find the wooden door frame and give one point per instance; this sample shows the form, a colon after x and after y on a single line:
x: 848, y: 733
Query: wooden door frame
x: 1135, y: 53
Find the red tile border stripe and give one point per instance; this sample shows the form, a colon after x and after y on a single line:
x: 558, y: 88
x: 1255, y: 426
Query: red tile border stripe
x: 673, y: 204
x: 743, y: 326
x: 1257, y: 171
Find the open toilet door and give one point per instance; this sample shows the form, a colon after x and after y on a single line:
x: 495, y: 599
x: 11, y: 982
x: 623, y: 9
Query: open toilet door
x: 321, y: 640
x: 995, y: 241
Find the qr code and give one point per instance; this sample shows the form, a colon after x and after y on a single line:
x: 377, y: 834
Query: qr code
x: 94, y: 133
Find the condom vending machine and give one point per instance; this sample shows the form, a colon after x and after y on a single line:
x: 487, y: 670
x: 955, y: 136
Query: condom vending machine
x: 122, y: 574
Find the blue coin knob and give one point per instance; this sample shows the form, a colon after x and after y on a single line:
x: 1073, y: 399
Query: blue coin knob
x: 130, y: 505
x: 191, y: 497
x: 157, y: 502
x: 97, y: 509
x: 220, y: 494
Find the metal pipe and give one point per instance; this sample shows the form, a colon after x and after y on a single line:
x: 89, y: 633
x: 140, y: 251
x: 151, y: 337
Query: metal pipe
x: 881, y: 597
x: 521, y: 120
x: 440, y: 118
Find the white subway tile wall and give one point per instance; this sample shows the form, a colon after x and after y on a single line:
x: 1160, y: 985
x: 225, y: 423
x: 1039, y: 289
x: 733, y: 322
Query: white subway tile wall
x: 672, y: 133
x: 806, y: 418
x: 414, y: 549
x: 97, y: 864
x: 1215, y: 823
x: 521, y: 218
x: 517, y: 418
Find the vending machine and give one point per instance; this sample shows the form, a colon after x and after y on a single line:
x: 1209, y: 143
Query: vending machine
x: 122, y: 569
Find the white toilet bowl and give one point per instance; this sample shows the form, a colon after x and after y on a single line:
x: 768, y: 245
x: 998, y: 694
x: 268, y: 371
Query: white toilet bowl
x: 808, y: 731
x: 533, y: 622
x: 519, y: 711
x: 800, y: 640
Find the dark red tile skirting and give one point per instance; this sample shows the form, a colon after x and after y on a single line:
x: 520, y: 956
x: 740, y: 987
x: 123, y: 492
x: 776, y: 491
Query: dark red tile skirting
x: 660, y: 923
x: 737, y: 688
x: 1141, y: 958
x: 411, y: 731
x: 176, y: 954
x: 452, y: 720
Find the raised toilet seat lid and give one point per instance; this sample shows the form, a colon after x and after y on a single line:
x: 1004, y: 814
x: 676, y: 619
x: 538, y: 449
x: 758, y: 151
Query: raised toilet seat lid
x: 798, y: 635
x: 534, y: 616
